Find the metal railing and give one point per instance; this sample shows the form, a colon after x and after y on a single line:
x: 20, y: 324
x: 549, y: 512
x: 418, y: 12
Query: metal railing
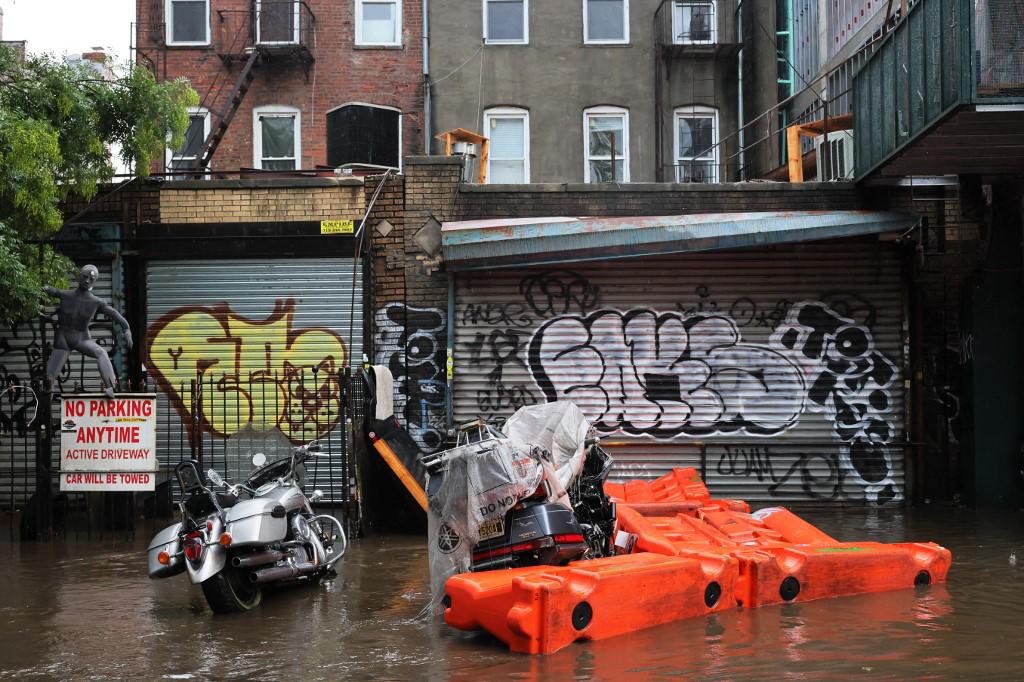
x: 689, y: 24
x: 269, y: 25
x: 944, y: 54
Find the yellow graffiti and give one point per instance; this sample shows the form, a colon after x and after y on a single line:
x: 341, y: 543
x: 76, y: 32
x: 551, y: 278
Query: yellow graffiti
x: 258, y: 374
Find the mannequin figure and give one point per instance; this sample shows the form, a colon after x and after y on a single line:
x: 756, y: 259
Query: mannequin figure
x: 77, y: 309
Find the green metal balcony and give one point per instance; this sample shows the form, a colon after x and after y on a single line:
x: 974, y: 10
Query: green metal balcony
x: 944, y: 92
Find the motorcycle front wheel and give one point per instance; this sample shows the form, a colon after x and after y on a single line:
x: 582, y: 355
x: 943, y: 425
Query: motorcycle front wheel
x: 230, y: 592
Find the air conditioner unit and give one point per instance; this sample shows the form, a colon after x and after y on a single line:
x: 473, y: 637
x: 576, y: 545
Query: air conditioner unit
x: 840, y: 156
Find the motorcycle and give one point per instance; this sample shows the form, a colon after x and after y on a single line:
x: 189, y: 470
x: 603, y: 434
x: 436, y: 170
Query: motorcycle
x: 254, y: 534
x: 525, y: 518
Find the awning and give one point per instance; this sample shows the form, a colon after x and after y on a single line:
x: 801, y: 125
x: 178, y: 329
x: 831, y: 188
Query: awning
x: 475, y: 244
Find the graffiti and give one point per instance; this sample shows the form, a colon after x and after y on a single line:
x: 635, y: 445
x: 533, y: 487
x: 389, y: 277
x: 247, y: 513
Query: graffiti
x: 558, y: 292
x: 966, y: 348
x: 410, y: 342
x: 850, y: 385
x: 743, y: 310
x: 663, y: 374
x: 261, y: 374
x: 818, y: 474
x: 497, y: 315
x: 746, y: 461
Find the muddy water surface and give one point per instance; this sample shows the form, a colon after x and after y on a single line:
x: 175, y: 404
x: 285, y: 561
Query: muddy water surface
x: 86, y: 610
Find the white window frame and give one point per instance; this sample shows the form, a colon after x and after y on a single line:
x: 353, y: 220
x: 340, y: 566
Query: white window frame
x: 599, y: 112
x: 526, y: 26
x: 171, y: 156
x: 697, y: 111
x: 625, y: 27
x: 677, y: 38
x: 508, y: 113
x: 257, y: 131
x: 397, y: 42
x: 169, y: 22
x: 295, y: 18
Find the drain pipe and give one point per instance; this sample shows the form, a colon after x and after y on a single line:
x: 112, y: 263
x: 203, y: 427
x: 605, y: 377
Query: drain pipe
x: 739, y: 90
x: 426, y: 77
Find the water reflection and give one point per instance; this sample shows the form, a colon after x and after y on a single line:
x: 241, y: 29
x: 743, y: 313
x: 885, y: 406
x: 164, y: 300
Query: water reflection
x: 87, y: 610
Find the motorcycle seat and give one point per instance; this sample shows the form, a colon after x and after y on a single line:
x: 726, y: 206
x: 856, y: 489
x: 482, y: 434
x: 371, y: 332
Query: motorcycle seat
x: 225, y: 500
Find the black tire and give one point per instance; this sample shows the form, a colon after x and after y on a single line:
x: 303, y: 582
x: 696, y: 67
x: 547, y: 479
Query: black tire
x: 229, y: 592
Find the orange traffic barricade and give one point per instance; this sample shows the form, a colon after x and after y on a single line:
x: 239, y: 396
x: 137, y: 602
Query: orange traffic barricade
x: 692, y: 555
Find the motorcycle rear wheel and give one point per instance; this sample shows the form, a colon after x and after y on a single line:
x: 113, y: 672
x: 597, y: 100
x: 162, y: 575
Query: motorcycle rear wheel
x: 229, y: 592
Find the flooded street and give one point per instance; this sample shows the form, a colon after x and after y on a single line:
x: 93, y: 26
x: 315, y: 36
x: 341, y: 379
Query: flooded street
x: 86, y: 610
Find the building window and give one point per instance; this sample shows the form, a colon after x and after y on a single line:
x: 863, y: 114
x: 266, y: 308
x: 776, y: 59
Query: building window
x: 509, y: 131
x: 184, y: 157
x: 694, y: 21
x: 606, y: 141
x: 605, y: 21
x: 364, y: 134
x: 277, y: 22
x: 378, y: 22
x: 188, y: 22
x: 276, y: 139
x: 696, y: 144
x: 505, y: 21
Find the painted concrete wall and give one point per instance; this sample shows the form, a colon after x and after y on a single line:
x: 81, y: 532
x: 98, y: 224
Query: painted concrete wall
x: 556, y: 76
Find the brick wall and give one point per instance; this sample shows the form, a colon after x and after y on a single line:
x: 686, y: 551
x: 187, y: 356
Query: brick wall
x: 511, y: 201
x: 240, y: 201
x: 341, y: 73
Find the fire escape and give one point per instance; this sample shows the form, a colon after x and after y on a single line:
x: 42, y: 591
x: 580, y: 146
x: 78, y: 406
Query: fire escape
x: 266, y: 34
x: 695, y: 50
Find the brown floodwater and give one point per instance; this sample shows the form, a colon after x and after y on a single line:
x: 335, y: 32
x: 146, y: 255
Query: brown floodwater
x: 86, y: 610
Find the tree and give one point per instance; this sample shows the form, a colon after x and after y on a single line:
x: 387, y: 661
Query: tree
x: 57, y: 122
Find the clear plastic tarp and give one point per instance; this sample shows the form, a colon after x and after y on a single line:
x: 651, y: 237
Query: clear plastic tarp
x: 481, y: 481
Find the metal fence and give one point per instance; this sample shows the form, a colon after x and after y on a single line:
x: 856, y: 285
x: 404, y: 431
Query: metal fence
x: 204, y: 421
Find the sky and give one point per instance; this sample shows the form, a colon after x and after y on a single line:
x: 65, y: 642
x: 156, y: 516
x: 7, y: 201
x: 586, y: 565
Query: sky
x: 70, y: 26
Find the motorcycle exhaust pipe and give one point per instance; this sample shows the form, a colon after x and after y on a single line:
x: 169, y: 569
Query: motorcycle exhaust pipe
x: 266, y: 575
x: 268, y: 556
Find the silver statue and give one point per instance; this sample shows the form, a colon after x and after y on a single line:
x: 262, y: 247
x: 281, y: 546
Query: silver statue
x: 77, y: 309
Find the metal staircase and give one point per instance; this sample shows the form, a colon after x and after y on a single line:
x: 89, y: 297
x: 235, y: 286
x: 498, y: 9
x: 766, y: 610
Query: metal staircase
x: 225, y: 116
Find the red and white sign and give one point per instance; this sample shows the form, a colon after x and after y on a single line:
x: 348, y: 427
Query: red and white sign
x: 108, y: 444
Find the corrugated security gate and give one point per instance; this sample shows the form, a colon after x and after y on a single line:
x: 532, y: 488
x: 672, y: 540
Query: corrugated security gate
x: 23, y: 358
x: 249, y: 355
x: 776, y: 373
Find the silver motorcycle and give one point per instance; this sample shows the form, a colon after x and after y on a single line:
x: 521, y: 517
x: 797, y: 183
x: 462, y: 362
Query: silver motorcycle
x: 257, y: 533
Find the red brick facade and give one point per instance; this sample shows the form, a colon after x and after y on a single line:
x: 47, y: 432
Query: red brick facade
x: 342, y: 72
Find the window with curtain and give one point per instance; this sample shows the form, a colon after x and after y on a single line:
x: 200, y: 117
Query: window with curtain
x: 188, y: 22
x: 605, y: 21
x: 606, y: 144
x: 378, y: 22
x: 696, y: 137
x: 509, y: 131
x: 694, y: 21
x: 276, y: 138
x: 505, y: 21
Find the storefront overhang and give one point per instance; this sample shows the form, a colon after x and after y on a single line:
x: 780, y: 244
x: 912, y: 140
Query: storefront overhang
x: 475, y: 244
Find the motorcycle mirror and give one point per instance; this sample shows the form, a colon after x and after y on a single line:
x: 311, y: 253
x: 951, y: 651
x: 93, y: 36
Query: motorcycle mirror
x: 214, y: 477
x: 317, y: 494
x: 259, y: 459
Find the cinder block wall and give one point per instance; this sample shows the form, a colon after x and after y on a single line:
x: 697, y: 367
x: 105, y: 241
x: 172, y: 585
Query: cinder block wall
x: 242, y: 201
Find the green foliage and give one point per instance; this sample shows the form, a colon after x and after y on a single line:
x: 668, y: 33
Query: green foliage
x: 57, y: 122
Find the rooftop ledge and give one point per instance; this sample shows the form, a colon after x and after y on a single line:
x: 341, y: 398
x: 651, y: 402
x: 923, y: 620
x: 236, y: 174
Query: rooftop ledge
x: 264, y: 183
x: 663, y: 187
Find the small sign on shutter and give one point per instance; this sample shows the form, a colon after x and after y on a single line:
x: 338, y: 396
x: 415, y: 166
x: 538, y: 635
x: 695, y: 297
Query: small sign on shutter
x: 337, y: 227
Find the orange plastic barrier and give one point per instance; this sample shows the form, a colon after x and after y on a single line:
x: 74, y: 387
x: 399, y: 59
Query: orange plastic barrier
x: 692, y: 555
x: 541, y: 609
x: 679, y: 485
x: 783, y: 558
